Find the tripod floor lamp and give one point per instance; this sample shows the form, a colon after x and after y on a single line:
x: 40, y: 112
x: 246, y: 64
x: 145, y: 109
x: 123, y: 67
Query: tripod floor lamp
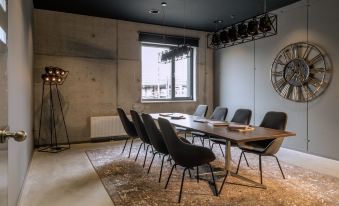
x: 53, y: 78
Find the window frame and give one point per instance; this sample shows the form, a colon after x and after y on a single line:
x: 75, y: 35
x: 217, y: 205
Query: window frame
x: 192, y: 84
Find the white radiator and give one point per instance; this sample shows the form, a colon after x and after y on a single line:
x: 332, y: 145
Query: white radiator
x: 106, y: 126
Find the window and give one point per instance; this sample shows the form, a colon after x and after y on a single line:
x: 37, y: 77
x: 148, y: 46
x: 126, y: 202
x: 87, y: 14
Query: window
x: 165, y: 82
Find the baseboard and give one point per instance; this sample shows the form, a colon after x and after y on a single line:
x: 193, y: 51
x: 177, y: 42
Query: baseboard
x: 309, y: 161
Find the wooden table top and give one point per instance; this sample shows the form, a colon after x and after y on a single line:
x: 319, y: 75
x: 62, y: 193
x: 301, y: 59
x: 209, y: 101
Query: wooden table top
x: 259, y: 133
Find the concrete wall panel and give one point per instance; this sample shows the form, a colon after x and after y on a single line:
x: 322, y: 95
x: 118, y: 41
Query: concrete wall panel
x: 66, y: 34
x: 89, y: 90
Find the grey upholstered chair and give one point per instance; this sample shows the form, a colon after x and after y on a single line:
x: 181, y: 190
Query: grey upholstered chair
x: 273, y: 120
x: 242, y: 116
x: 129, y: 128
x: 200, y: 111
x: 220, y: 114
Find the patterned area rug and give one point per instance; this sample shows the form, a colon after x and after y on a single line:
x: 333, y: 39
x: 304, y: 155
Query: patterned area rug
x: 128, y: 183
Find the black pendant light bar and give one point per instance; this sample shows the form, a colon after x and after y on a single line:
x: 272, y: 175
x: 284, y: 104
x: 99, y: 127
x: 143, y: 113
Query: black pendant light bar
x: 175, y: 54
x: 254, y: 28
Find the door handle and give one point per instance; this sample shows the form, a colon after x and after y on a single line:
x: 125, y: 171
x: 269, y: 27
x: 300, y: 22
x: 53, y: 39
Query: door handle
x: 17, y: 136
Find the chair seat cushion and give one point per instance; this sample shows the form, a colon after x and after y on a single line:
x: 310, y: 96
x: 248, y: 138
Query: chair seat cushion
x: 200, y: 134
x: 252, y: 147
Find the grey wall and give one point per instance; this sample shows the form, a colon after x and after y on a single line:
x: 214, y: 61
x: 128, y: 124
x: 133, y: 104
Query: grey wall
x: 104, y: 60
x: 238, y: 84
x: 20, y: 92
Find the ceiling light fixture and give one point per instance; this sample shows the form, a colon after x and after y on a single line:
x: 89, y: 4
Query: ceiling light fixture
x: 258, y: 27
x: 163, y: 4
x: 153, y: 11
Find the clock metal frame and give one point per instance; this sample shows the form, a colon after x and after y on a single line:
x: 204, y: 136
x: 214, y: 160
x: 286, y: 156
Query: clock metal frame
x: 299, y: 72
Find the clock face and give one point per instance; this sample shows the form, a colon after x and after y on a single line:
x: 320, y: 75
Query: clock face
x: 299, y: 72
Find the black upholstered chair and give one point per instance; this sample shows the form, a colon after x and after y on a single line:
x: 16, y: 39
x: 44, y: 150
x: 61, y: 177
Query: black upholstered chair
x: 220, y: 114
x: 242, y: 116
x: 273, y: 120
x: 142, y: 134
x: 129, y: 128
x: 200, y: 111
x: 184, y: 154
x: 157, y: 140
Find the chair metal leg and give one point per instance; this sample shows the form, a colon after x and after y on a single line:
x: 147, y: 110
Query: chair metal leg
x: 197, y: 173
x: 130, y: 149
x: 242, y: 152
x: 260, y: 168
x: 189, y: 173
x: 182, y: 184
x: 223, y: 182
x: 193, y: 139
x: 213, y: 179
x: 202, y: 140
x: 125, y: 145
x: 209, y: 142
x: 279, y: 166
x: 169, y: 176
x: 222, y: 152
x: 246, y: 160
x: 138, y: 151
x: 162, y: 163
x: 150, y: 165
x: 212, y: 146
x: 145, y: 156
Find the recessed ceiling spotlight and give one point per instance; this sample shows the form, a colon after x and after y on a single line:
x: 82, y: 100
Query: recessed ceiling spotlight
x: 163, y: 4
x: 153, y: 11
x: 218, y: 21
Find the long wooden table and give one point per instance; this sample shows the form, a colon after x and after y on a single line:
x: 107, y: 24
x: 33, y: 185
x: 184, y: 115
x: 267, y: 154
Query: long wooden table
x: 259, y: 133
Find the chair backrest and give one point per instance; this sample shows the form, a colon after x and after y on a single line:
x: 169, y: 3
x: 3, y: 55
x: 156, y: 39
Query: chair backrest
x: 219, y: 113
x: 139, y: 126
x: 154, y: 134
x: 242, y: 116
x: 201, y: 110
x: 127, y: 124
x: 274, y: 120
x: 184, y: 154
x: 171, y: 139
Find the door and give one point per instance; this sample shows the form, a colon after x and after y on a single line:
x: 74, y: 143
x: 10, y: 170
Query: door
x: 3, y: 103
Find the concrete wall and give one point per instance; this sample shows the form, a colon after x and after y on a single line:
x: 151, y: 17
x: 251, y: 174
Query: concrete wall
x: 104, y: 60
x: 238, y: 84
x: 20, y: 92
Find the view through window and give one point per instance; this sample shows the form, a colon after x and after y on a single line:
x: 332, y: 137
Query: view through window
x: 159, y: 79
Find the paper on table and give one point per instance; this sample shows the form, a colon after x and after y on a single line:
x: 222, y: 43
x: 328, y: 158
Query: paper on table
x: 177, y: 116
x: 202, y: 120
x: 217, y: 123
x: 165, y: 114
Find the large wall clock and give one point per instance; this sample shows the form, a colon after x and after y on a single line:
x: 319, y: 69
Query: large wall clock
x: 299, y: 72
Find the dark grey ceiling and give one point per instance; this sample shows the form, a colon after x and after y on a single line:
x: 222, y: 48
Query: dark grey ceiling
x: 198, y: 14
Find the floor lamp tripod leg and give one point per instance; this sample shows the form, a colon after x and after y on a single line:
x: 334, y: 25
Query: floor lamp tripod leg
x: 63, y: 117
x: 53, y: 119
x: 42, y: 106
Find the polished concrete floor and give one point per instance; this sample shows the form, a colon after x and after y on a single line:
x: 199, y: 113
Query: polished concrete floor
x: 68, y: 178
